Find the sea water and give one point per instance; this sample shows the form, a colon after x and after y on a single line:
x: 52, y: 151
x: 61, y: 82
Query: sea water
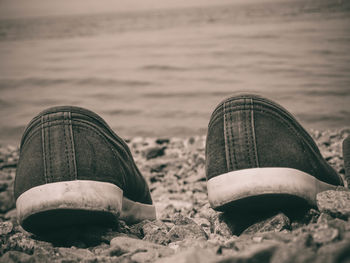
x: 162, y: 72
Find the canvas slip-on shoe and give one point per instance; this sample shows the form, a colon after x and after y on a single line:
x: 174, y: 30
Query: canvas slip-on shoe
x: 73, y: 169
x: 346, y: 157
x: 259, y: 157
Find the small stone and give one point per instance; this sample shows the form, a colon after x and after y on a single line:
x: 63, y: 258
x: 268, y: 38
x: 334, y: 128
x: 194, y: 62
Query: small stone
x: 258, y: 239
x: 75, y: 253
x: 181, y: 204
x: 284, y: 236
x: 9, y: 164
x: 20, y: 242
x: 158, y: 167
x: 196, y: 243
x: 122, y: 245
x: 156, y: 232
x: 202, y: 222
x: 7, y: 201
x: 156, y: 177
x: 192, y: 255
x: 335, y: 203
x: 185, y: 228
x: 99, y: 259
x: 199, y: 176
x: 181, y: 232
x: 292, y: 253
x: 324, y: 139
x: 221, y: 227
x: 254, y: 253
x: 3, y: 186
x: 324, y: 218
x: 311, y: 216
x: 276, y: 223
x: 154, y: 152
x: 10, y: 215
x: 325, y: 235
x: 15, y: 257
x: 144, y: 256
x: 162, y: 141
x: 334, y: 252
x: 191, y: 140
x: 5, y: 228
x: 342, y: 226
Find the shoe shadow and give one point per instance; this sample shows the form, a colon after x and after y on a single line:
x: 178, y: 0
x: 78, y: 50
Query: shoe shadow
x: 267, y: 214
x: 80, y: 236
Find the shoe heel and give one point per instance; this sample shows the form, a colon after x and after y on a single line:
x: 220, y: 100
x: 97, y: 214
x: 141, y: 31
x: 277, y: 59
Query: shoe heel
x: 65, y: 203
x: 226, y: 189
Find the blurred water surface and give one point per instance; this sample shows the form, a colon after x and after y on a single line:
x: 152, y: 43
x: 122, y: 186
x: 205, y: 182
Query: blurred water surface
x: 161, y: 73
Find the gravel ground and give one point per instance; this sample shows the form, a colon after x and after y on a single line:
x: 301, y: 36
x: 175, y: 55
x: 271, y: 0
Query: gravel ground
x: 187, y: 229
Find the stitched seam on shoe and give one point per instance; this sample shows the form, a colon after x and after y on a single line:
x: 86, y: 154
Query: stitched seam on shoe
x: 94, y: 117
x: 69, y: 144
x: 232, y: 141
x: 252, y: 123
x: 43, y: 149
x: 264, y: 103
x: 115, y: 154
x: 292, y: 129
x: 107, y: 137
x: 257, y: 98
x: 65, y: 147
x: 247, y: 150
x: 123, y: 146
x: 96, y: 130
x: 250, y: 138
x: 36, y: 129
x: 227, y: 149
x: 72, y: 145
x: 277, y: 115
x: 282, y: 119
x: 101, y: 136
x: 50, y: 153
x: 106, y: 143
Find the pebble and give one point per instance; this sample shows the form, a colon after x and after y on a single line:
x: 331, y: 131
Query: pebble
x: 191, y: 255
x: 5, y: 227
x: 335, y: 203
x: 16, y: 257
x: 276, y: 223
x: 185, y: 228
x: 125, y: 245
x: 75, y: 254
x: 325, y: 235
x: 154, y: 152
x: 7, y: 200
x: 156, y: 232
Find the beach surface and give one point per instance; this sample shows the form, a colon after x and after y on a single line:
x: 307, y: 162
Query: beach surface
x: 187, y: 229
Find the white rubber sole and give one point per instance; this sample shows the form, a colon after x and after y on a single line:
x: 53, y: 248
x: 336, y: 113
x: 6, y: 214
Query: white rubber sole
x: 233, y: 186
x: 82, y: 195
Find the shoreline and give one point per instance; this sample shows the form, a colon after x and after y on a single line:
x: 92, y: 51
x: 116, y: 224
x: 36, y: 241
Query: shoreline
x: 186, y: 226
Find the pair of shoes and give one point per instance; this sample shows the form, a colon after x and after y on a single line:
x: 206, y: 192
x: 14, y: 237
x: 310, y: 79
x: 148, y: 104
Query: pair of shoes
x: 74, y: 169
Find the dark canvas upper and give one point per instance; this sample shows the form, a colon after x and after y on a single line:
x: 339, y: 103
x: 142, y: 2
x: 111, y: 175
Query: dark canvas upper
x: 70, y: 143
x: 249, y: 131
